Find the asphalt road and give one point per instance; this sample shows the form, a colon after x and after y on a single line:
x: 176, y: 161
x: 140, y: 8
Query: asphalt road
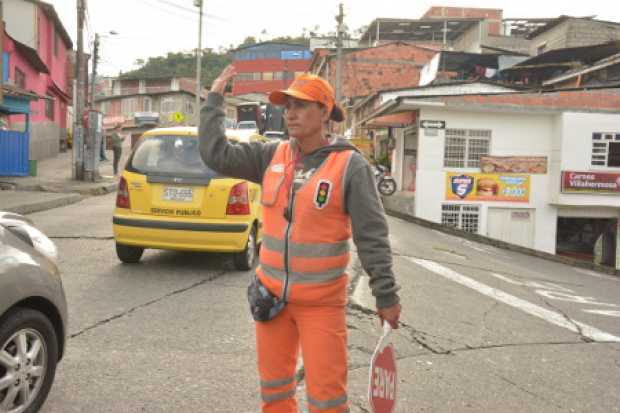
x: 484, y: 329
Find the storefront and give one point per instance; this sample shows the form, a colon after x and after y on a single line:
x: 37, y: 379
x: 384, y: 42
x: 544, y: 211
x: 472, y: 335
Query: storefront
x: 590, y: 233
x: 510, y: 167
x: 589, y: 239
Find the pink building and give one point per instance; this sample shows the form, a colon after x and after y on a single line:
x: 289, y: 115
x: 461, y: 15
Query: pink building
x: 37, y: 51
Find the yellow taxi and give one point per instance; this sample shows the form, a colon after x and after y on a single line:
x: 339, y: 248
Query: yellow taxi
x: 169, y: 199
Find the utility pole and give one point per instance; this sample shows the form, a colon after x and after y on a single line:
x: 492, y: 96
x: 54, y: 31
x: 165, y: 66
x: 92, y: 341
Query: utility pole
x: 198, y: 3
x: 339, y: 19
x: 92, y: 143
x: 94, y: 74
x: 78, y: 101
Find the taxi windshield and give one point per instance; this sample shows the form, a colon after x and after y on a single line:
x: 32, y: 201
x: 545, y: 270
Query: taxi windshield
x: 169, y: 155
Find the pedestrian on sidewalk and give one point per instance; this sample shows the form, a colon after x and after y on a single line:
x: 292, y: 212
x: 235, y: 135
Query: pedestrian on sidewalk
x: 317, y: 192
x: 102, y: 154
x: 117, y: 147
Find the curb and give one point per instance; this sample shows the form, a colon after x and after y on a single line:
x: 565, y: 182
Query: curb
x: 60, y: 189
x: 502, y: 244
x: 100, y: 190
x: 45, y: 205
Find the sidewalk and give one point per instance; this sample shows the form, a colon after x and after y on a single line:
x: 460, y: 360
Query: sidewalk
x: 53, y: 186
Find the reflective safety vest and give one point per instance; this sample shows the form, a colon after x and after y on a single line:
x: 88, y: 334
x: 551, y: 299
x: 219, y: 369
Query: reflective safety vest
x: 313, y: 245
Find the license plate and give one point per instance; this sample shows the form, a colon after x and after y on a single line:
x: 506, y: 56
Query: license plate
x: 174, y: 193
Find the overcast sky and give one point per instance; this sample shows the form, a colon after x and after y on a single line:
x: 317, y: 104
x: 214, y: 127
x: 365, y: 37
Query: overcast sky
x: 154, y: 27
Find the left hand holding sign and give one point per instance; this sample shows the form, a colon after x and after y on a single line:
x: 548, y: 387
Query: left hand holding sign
x: 390, y: 314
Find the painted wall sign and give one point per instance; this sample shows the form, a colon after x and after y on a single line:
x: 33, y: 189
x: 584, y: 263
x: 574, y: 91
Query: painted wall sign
x: 433, y: 124
x: 590, y: 182
x: 487, y: 187
x: 514, y: 164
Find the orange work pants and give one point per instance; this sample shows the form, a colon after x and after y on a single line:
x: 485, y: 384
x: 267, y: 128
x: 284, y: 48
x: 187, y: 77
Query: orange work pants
x: 322, y: 333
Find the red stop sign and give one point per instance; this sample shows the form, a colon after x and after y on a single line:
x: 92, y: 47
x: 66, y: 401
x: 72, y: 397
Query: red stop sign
x: 383, y: 380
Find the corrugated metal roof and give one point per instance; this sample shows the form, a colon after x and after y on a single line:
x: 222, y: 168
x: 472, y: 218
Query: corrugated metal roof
x: 609, y: 61
x: 418, y: 29
x: 584, y: 55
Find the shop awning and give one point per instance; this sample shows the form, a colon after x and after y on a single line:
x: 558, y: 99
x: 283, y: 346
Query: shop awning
x: 16, y: 101
x: 395, y: 120
x: 383, y: 114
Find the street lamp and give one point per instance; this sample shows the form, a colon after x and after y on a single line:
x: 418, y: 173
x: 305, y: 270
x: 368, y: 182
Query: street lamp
x: 95, y: 60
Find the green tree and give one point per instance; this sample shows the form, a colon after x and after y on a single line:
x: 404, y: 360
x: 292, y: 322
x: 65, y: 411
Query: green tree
x: 248, y: 41
x: 182, y: 64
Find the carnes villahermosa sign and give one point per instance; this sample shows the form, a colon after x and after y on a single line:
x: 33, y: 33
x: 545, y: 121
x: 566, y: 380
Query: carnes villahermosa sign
x: 590, y: 182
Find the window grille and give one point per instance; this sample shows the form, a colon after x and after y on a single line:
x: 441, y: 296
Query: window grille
x: 605, y: 149
x: 465, y: 147
x: 463, y: 217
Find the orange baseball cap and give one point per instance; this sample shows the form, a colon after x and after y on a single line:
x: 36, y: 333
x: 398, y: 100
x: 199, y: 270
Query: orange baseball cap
x: 312, y: 88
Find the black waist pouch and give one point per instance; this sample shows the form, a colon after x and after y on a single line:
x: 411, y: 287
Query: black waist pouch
x: 264, y: 306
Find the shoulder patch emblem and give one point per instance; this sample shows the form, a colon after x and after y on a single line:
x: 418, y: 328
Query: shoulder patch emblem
x: 323, y: 191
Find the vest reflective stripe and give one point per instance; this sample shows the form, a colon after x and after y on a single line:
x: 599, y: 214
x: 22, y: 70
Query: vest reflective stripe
x: 307, y: 250
x: 327, y: 404
x: 303, y: 277
x: 273, y: 384
x: 274, y: 397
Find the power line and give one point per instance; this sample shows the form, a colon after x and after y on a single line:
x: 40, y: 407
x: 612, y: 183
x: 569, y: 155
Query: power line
x: 185, y: 17
x: 194, y: 11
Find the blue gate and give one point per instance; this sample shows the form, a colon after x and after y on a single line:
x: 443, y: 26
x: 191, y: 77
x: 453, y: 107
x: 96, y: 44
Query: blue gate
x: 14, y: 153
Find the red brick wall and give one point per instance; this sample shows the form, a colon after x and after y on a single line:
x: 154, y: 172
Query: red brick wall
x: 493, y: 16
x: 391, y: 66
x: 607, y: 99
x: 266, y: 65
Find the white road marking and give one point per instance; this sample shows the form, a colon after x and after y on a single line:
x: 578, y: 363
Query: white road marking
x: 534, y: 284
x: 550, y: 316
x: 556, y: 295
x: 611, y: 313
x: 362, y: 291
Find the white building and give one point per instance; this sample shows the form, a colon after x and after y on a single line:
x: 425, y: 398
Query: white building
x: 558, y: 193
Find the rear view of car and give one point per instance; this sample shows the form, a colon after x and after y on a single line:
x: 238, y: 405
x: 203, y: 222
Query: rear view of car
x: 275, y: 135
x: 33, y: 315
x: 169, y: 199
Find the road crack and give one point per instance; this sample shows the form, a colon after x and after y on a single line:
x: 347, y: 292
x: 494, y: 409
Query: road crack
x: 147, y: 304
x: 485, y: 328
x: 531, y: 393
x: 460, y: 264
x: 360, y: 406
x: 361, y: 349
x: 578, y: 327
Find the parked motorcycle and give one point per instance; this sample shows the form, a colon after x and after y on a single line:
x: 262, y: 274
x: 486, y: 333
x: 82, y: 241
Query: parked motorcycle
x: 385, y: 183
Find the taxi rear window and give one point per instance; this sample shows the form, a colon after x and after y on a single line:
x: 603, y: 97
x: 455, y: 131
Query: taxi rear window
x: 169, y: 155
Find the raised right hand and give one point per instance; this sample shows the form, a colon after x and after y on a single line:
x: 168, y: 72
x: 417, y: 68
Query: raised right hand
x: 219, y: 84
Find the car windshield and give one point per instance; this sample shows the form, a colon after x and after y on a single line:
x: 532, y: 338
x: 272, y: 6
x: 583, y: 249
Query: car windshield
x: 169, y: 155
x: 247, y: 125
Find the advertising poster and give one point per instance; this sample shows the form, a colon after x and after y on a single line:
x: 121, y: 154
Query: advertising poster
x: 487, y: 187
x: 590, y: 182
x: 514, y: 164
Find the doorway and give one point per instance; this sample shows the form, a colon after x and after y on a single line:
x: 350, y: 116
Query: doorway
x: 588, y: 239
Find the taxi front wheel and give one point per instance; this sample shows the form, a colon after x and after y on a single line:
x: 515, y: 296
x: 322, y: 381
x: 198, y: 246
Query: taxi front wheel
x: 128, y: 254
x: 245, y: 259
